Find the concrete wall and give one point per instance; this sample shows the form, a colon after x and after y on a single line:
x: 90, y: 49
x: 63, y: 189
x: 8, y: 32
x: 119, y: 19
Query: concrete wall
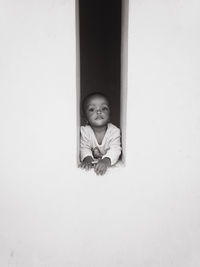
x: 53, y: 214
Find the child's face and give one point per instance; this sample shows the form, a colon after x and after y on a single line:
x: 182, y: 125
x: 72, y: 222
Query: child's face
x: 97, y: 111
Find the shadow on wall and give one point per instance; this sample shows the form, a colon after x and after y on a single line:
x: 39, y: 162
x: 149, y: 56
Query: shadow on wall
x: 100, y: 51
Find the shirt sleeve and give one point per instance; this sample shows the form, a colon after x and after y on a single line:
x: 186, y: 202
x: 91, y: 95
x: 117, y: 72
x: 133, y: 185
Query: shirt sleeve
x: 115, y: 147
x: 85, y: 144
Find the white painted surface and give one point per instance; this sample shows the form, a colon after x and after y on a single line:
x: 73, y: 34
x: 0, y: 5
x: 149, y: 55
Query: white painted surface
x: 143, y: 215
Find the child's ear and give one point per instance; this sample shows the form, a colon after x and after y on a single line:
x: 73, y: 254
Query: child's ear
x: 85, y: 121
x: 110, y: 116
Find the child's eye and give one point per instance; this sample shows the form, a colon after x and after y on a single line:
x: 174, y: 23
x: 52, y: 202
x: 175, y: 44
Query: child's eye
x: 90, y: 109
x: 105, y: 108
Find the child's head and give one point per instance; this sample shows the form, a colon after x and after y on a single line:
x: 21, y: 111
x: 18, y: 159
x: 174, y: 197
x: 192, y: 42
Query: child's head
x: 96, y: 109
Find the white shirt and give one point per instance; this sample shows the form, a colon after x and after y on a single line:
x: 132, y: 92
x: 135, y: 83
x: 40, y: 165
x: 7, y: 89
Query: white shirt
x: 110, y: 146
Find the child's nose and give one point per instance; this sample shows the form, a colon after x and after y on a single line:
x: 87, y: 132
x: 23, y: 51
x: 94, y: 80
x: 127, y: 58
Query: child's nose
x: 99, y: 110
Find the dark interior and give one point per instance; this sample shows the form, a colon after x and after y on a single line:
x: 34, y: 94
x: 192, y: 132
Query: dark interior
x: 100, y: 51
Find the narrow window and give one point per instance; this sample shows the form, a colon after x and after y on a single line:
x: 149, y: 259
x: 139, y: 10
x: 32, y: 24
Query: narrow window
x: 102, y: 58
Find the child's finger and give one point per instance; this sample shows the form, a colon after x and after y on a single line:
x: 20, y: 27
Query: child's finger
x: 100, y: 170
x: 82, y: 165
x: 103, y: 171
x: 87, y: 167
x: 97, y: 169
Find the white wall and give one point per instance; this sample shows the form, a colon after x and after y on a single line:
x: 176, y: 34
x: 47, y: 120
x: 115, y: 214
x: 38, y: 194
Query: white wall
x: 53, y: 214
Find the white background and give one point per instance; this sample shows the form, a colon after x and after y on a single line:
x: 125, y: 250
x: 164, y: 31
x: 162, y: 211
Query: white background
x: 146, y: 214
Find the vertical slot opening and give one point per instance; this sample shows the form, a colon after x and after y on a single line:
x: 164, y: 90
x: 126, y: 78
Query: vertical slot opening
x: 101, y: 34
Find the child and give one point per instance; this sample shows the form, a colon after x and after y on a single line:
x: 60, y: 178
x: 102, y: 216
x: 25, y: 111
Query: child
x: 100, y: 139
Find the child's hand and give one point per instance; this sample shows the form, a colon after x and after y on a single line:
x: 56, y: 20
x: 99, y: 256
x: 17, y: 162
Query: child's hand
x: 102, y: 166
x: 87, y: 163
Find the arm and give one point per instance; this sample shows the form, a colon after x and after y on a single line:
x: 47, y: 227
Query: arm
x: 112, y: 155
x: 115, y: 147
x: 85, y: 150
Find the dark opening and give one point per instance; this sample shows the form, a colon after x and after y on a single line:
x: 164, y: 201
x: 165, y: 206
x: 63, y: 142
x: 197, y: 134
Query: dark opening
x: 100, y: 51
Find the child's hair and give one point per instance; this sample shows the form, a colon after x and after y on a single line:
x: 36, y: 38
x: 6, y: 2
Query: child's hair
x: 84, y: 102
